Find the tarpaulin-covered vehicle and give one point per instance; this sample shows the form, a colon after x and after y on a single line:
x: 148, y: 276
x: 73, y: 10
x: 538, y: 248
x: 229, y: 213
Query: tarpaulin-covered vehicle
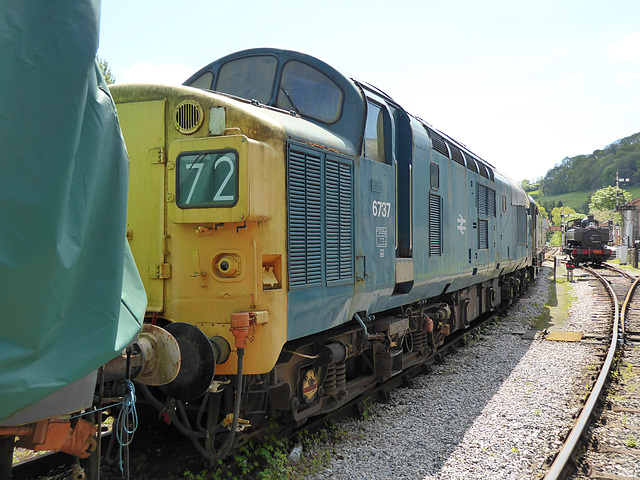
x: 70, y: 295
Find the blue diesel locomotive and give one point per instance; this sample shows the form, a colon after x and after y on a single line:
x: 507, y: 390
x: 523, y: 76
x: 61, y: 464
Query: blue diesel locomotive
x: 304, y: 238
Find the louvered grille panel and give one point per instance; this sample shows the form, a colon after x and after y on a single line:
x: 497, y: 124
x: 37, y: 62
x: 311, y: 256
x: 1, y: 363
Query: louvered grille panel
x: 320, y: 191
x: 483, y: 234
x: 491, y: 202
x: 332, y: 171
x: 314, y: 220
x: 482, y: 170
x: 456, y: 154
x: 471, y: 163
x: 482, y: 199
x: 338, y: 181
x: 305, y: 218
x: 435, y: 225
x: 438, y: 143
x: 346, y: 222
x: 522, y: 225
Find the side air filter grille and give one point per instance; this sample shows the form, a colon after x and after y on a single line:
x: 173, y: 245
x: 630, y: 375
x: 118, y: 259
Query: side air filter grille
x: 435, y: 225
x: 438, y: 143
x: 456, y: 154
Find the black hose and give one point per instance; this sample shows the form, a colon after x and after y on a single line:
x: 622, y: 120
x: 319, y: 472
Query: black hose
x: 171, y: 410
x: 179, y: 419
x: 214, y: 455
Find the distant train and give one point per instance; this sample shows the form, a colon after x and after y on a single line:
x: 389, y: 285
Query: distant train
x: 585, y: 241
x: 304, y: 238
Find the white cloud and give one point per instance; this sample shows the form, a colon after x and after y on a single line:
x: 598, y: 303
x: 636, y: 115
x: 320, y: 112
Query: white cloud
x: 144, y: 72
x: 627, y: 49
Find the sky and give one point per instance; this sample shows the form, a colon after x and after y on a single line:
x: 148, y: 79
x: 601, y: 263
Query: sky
x: 522, y: 83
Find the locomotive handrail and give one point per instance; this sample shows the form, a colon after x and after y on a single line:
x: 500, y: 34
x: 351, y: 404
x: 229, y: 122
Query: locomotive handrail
x: 559, y: 465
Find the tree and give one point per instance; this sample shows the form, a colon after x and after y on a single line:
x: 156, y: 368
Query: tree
x: 548, y: 206
x: 609, y: 198
x: 528, y: 186
x: 564, y: 214
x: 605, y: 201
x: 585, y: 205
x: 106, y: 71
x: 542, y: 211
x: 596, y: 170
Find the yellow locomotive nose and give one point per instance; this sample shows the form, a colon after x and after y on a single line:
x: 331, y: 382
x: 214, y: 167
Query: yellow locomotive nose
x: 227, y: 265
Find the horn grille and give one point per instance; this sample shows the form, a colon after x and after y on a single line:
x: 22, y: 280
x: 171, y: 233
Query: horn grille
x: 188, y: 117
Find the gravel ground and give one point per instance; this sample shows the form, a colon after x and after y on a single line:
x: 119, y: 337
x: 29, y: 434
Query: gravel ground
x: 495, y: 409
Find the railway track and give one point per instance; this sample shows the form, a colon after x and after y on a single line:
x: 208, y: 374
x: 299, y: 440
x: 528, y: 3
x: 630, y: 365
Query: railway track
x: 551, y: 252
x: 603, y: 442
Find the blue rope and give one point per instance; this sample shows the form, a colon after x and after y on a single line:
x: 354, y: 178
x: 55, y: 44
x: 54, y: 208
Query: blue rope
x: 127, y: 421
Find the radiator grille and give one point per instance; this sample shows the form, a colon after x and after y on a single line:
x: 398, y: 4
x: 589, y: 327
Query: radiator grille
x: 305, y: 219
x: 339, y: 225
x: 320, y: 196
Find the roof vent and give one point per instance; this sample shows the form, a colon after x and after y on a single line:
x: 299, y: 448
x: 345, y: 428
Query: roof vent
x: 188, y: 117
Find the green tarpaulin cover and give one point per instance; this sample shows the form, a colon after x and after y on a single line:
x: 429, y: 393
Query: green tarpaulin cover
x: 70, y: 295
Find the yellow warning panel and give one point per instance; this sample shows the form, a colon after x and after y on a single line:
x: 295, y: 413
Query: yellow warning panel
x: 565, y: 336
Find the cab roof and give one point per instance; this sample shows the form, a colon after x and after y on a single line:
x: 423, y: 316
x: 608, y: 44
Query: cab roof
x: 290, y: 81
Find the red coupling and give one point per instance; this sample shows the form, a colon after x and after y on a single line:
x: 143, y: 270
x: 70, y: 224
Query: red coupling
x: 240, y: 325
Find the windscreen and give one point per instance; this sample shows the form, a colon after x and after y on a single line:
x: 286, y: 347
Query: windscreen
x: 309, y: 92
x: 249, y: 77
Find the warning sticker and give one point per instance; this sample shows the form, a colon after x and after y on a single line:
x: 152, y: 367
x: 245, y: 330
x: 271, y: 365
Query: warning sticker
x: 381, y: 237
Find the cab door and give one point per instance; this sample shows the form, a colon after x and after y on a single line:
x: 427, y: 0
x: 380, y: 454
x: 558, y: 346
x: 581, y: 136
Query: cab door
x: 144, y: 121
x: 376, y: 239
x: 403, y: 158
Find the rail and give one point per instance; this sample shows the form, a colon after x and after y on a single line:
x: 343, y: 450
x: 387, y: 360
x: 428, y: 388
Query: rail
x: 558, y: 468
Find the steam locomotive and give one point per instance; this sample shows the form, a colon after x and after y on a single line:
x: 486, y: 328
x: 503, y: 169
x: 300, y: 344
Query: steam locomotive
x: 585, y: 241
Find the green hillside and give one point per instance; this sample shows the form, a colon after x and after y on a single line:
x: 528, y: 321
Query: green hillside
x: 575, y: 179
x: 576, y: 200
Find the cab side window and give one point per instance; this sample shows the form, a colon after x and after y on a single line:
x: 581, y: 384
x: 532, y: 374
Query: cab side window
x: 374, y: 133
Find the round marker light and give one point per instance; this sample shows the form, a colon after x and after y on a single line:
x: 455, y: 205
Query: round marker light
x: 228, y: 265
